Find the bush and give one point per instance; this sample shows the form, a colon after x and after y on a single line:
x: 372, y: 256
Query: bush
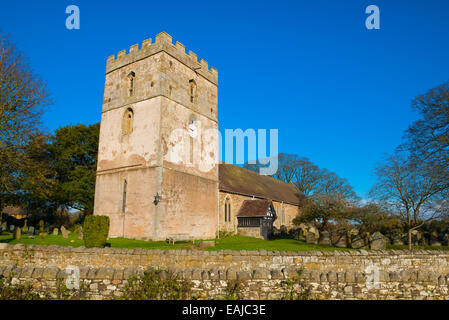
x: 25, y: 227
x: 95, y: 231
x: 153, y: 286
x: 19, y: 292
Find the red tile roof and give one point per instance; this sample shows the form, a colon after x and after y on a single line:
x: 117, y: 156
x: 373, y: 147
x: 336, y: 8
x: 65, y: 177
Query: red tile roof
x: 254, y: 208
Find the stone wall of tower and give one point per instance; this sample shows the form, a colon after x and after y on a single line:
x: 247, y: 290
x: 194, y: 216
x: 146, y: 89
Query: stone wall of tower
x: 156, y: 156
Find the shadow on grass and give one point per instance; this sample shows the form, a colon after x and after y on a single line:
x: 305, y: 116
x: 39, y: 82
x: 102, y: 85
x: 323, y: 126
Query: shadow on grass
x: 6, y: 237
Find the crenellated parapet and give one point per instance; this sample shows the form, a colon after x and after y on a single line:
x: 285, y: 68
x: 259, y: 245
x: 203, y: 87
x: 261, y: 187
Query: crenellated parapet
x: 164, y: 43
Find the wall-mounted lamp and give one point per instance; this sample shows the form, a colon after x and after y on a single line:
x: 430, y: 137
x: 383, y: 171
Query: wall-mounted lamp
x: 157, y: 198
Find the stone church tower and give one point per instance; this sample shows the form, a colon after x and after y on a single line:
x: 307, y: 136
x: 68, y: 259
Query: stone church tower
x: 157, y: 172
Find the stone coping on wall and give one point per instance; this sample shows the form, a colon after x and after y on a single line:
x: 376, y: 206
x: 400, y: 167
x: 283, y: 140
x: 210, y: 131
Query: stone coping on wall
x: 262, y: 252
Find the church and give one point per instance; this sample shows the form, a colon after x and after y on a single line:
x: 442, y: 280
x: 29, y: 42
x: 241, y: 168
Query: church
x: 158, y: 174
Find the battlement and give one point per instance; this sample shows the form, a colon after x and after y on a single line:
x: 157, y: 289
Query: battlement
x: 164, y: 43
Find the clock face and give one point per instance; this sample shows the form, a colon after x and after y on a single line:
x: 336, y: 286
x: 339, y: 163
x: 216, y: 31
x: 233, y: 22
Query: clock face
x: 192, y: 130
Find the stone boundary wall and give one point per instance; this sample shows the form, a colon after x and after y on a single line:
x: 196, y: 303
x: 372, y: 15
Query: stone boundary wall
x: 326, y: 261
x: 108, y: 283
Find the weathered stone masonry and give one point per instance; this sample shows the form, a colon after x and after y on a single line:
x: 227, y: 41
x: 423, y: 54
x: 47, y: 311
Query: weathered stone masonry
x: 329, y: 275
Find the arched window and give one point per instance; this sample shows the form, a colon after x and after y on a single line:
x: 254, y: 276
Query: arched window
x: 128, y: 119
x: 227, y: 210
x: 131, y: 83
x: 192, y: 91
x: 125, y: 187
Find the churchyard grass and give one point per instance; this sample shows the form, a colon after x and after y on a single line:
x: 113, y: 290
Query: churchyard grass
x: 235, y: 243
x: 231, y: 243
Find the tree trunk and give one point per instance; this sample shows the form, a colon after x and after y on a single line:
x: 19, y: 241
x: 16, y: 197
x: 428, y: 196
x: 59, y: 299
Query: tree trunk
x: 410, y: 239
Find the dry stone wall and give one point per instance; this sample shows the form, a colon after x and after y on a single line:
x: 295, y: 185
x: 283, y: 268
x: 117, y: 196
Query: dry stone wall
x: 265, y: 275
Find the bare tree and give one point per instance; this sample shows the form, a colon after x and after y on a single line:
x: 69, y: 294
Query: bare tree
x: 428, y: 137
x: 332, y: 185
x: 307, y: 176
x: 23, y: 98
x: 415, y: 192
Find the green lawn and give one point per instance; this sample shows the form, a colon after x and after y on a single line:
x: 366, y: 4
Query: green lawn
x: 232, y: 243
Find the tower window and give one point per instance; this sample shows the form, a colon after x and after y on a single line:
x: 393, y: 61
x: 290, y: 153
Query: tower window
x: 128, y: 119
x: 125, y: 187
x: 192, y: 92
x: 131, y: 83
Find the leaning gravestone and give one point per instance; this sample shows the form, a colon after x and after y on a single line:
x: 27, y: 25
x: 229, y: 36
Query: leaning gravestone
x: 378, y: 241
x: 55, y: 231
x: 31, y: 231
x: 341, y: 242
x: 358, y: 242
x: 80, y: 233
x: 325, y: 238
x: 311, y: 238
x: 64, y: 232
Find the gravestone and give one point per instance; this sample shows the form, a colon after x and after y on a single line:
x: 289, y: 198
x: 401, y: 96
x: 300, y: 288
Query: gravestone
x: 65, y: 233
x: 4, y: 226
x: 446, y: 239
x: 397, y: 241
x: 31, y: 231
x: 17, y: 234
x: 358, y: 242
x: 47, y: 230
x: 301, y: 235
x: 378, y: 241
x: 325, y: 238
x: 311, y: 238
x: 435, y: 244
x: 204, y: 244
x: 55, y: 231
x: 341, y: 242
x: 80, y: 233
x: 434, y: 239
x: 11, y: 228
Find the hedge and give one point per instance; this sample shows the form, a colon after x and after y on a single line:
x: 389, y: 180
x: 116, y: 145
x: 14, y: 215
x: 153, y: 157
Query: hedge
x: 95, y: 231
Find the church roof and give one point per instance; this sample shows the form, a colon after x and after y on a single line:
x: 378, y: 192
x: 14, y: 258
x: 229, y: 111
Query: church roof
x: 15, y: 211
x: 235, y: 179
x: 254, y: 208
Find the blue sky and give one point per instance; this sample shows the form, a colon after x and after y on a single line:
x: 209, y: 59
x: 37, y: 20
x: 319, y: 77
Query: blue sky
x: 338, y: 93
